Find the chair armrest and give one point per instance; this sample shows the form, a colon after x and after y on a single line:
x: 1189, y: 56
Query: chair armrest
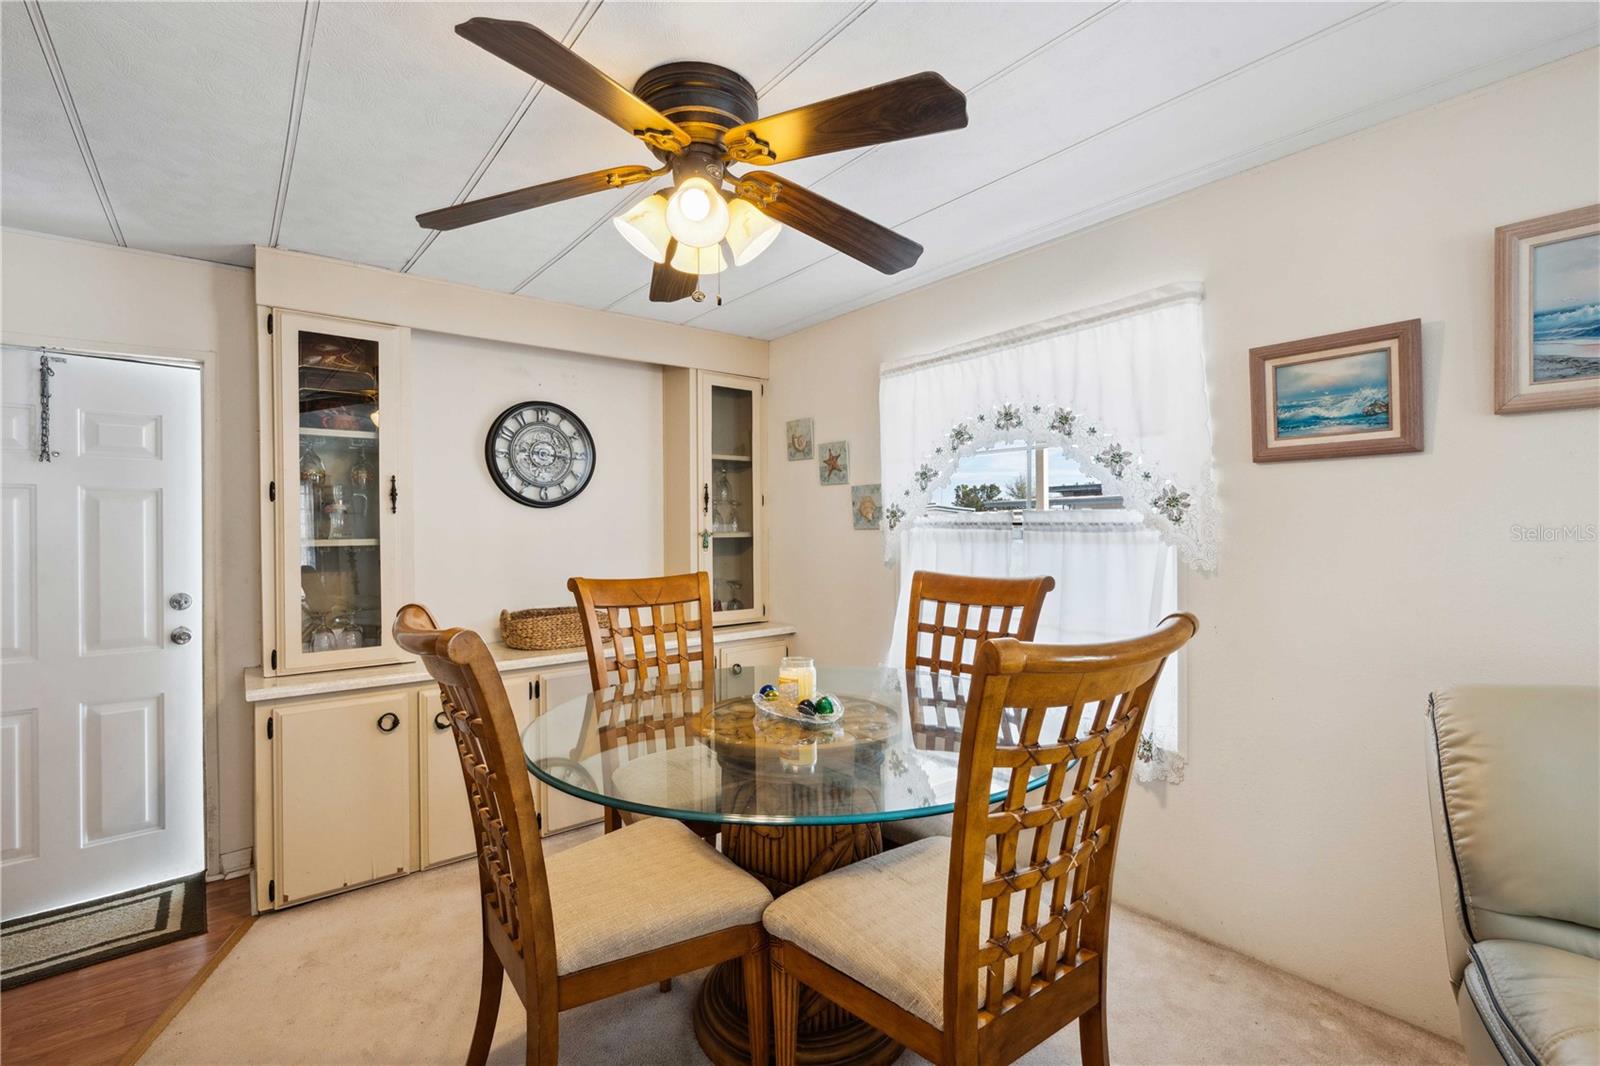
x: 1452, y: 903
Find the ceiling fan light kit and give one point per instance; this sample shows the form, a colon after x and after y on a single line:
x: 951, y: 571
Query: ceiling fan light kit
x: 696, y: 118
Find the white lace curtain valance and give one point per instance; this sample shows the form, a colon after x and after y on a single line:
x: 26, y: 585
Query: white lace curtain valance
x: 1120, y: 388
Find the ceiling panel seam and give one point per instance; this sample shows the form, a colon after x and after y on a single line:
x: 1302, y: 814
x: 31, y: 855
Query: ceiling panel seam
x: 1016, y: 64
x: 69, y: 106
x: 1178, y: 183
x: 575, y: 30
x: 816, y: 46
x: 1268, y: 57
x: 641, y: 192
x: 297, y: 100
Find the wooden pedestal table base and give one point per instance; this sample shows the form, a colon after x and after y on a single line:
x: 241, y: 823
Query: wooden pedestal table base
x: 783, y: 857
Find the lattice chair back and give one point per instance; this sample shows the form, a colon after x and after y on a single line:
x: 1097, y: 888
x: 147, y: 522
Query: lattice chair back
x: 511, y: 870
x: 651, y: 620
x: 951, y: 615
x: 1026, y: 931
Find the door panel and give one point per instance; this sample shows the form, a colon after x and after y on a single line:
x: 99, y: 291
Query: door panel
x: 343, y: 775
x: 446, y: 821
x: 121, y: 769
x: 20, y: 579
x: 120, y: 548
x: 102, y: 706
x: 19, y: 785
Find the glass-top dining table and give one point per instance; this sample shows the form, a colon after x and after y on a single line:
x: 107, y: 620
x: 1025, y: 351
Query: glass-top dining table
x: 788, y: 801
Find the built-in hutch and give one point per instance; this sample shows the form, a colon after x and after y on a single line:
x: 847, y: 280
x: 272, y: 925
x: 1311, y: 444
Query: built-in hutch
x: 356, y: 774
x: 715, y: 487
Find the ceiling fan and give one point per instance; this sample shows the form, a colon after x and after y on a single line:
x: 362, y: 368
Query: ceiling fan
x: 697, y: 118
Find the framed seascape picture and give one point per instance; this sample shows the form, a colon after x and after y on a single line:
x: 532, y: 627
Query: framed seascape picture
x: 1547, y: 312
x: 1345, y: 394
x: 798, y: 437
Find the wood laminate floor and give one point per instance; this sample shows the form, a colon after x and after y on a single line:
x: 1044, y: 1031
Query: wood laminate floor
x: 98, y: 1014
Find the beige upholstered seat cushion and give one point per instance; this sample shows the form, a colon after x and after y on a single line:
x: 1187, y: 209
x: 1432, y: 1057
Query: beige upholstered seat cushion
x: 881, y: 921
x: 644, y: 887
x: 1540, y: 1005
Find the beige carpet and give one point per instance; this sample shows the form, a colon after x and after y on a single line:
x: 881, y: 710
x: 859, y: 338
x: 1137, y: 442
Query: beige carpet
x: 389, y: 974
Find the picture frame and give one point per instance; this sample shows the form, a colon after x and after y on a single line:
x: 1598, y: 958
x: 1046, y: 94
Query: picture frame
x: 1338, y: 395
x: 799, y: 438
x: 1547, y: 312
x: 833, y: 463
x: 866, y: 506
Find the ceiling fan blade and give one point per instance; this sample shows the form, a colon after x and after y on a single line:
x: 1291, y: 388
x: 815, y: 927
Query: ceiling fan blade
x: 509, y: 203
x: 838, y: 227
x: 535, y: 52
x: 910, y: 107
x: 668, y: 285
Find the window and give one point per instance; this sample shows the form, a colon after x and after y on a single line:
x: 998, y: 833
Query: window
x: 1018, y: 477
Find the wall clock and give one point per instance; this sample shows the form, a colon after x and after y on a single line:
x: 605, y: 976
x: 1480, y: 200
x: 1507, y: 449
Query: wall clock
x: 540, y: 454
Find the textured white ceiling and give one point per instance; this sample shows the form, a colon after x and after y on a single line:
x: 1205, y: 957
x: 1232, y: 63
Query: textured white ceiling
x: 204, y: 129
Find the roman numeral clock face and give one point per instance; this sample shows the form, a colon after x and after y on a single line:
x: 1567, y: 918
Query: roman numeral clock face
x: 540, y: 454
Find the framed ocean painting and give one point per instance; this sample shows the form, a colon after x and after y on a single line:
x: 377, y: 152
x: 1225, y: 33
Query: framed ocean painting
x: 1547, y: 312
x: 1345, y: 394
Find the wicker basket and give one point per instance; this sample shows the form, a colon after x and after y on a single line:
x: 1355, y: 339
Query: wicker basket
x: 545, y: 628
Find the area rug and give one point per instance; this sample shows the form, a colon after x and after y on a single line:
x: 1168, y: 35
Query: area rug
x: 41, y: 945
x: 389, y: 974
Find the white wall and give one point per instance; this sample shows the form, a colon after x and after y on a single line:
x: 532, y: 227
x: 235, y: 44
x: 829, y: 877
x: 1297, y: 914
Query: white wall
x: 1348, y: 588
x: 73, y: 293
x: 475, y: 550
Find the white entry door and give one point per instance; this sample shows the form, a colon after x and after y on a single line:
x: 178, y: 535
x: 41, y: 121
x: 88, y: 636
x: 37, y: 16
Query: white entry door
x: 101, y: 779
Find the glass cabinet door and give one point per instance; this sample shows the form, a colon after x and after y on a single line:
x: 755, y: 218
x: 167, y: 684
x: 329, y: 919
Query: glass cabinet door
x: 731, y: 532
x: 338, y: 491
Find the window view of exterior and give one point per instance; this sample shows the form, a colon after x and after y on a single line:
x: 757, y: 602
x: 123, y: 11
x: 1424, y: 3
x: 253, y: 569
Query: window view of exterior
x: 1020, y: 477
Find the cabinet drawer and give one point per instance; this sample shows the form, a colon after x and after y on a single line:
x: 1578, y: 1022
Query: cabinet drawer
x: 753, y: 653
x: 344, y: 792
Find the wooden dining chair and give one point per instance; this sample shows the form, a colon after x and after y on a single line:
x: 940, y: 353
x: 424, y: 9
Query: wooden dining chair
x: 966, y: 958
x: 949, y: 618
x: 650, y: 620
x: 626, y: 910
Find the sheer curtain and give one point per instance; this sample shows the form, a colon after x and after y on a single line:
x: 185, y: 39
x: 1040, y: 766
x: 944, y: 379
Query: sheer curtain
x: 1121, y: 389
x: 1115, y: 578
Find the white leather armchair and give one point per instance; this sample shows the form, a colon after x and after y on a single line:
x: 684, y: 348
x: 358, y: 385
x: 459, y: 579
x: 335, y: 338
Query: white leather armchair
x: 1514, y: 785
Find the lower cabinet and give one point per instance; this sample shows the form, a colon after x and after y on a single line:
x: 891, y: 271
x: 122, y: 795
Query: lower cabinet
x: 364, y: 786
x: 446, y: 823
x: 737, y: 657
x: 343, y: 793
x: 559, y: 811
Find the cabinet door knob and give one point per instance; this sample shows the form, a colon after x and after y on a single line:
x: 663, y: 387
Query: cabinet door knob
x: 737, y: 668
x: 441, y: 721
x: 181, y: 635
x: 388, y: 722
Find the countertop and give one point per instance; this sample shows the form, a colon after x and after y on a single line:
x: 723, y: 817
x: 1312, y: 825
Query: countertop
x: 258, y: 688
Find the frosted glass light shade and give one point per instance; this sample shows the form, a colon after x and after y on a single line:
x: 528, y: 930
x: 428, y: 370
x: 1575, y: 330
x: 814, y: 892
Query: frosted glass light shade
x: 701, y: 261
x: 749, y: 231
x: 644, y: 226
x: 697, y: 214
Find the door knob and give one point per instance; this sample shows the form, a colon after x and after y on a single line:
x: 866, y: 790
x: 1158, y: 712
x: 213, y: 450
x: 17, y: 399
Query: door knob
x: 181, y: 635
x: 179, y: 601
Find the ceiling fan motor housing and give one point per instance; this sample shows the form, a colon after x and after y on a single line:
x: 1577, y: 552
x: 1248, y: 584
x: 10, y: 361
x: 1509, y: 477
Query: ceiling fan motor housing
x: 704, y: 99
